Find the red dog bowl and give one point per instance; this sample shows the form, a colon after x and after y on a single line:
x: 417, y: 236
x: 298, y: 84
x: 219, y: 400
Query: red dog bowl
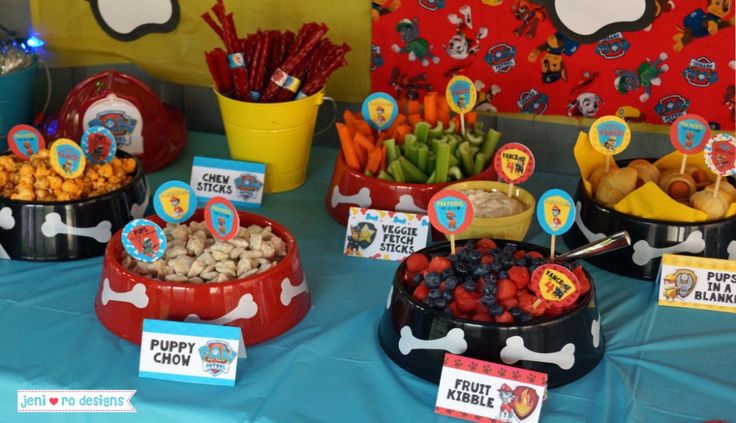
x: 264, y: 305
x: 351, y: 188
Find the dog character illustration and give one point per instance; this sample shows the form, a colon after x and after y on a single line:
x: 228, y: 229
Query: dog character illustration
x: 409, y: 87
x: 383, y: 7
x: 68, y: 166
x: 376, y: 58
x: 175, y: 202
x: 221, y: 225
x: 700, y: 24
x: 465, y: 41
x: 506, y: 411
x: 27, y: 148
x: 361, y: 236
x: 451, y: 222
x: 485, y: 96
x: 148, y: 247
x: 646, y: 75
x: 729, y: 99
x: 415, y: 46
x: 530, y: 15
x: 660, y: 6
x: 586, y: 105
x: 553, y: 68
x: 556, y: 220
x: 432, y: 5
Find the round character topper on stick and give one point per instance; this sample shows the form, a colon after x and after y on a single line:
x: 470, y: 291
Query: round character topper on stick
x: 609, y: 135
x: 450, y: 212
x: 25, y: 141
x: 461, y: 97
x: 556, y: 214
x: 689, y: 134
x: 144, y: 240
x: 514, y: 164
x: 221, y: 218
x: 175, y: 201
x: 555, y: 285
x: 380, y: 110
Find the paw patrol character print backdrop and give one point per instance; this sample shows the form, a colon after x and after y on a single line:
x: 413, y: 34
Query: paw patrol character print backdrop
x: 654, y: 62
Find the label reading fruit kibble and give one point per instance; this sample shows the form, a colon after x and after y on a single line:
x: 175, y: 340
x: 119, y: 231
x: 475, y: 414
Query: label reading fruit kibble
x: 25, y: 141
x: 380, y: 110
x: 221, y: 218
x: 99, y: 145
x: 555, y: 211
x: 514, y: 163
x: 144, y: 240
x: 609, y: 135
x: 555, y: 285
x: 67, y: 158
x: 450, y: 211
x: 461, y: 94
x: 720, y: 154
x: 175, y: 201
x: 689, y: 134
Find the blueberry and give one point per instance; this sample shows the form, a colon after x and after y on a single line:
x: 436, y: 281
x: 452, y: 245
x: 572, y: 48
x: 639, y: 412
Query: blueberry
x: 503, y: 274
x: 532, y: 268
x: 495, y: 309
x: 451, y: 283
x: 418, y: 278
x: 509, y: 248
x: 432, y: 280
x: 448, y: 272
x: 462, y: 268
x: 481, y: 270
x: 427, y: 301
x: 489, y: 289
x: 524, y: 317
x: 488, y: 300
x: 495, y: 251
x: 522, y: 262
x: 538, y: 261
x: 507, y: 261
x: 496, y: 266
x: 434, y: 293
x: 440, y: 303
x: 469, y: 285
x: 475, y: 255
x: 515, y: 311
x: 447, y: 295
x: 490, y: 278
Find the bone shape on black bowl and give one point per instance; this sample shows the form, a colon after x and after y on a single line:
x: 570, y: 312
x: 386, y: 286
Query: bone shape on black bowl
x: 515, y: 350
x: 453, y: 342
x: 53, y: 226
x: 643, y: 252
x: 7, y: 221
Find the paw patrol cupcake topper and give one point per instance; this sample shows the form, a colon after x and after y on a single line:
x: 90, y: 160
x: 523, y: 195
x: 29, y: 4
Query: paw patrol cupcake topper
x: 450, y: 212
x: 514, y: 163
x: 99, y: 144
x: 25, y: 141
x: 144, y: 240
x: 175, y: 201
x: 67, y: 158
x: 461, y: 97
x: 554, y: 285
x: 555, y: 213
x: 221, y: 218
x: 609, y: 135
x: 720, y: 157
x: 380, y: 110
x: 689, y: 134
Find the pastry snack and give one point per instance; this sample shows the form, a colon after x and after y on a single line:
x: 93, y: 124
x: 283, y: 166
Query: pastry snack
x: 35, y: 180
x: 679, y: 186
x: 493, y: 203
x: 615, y: 185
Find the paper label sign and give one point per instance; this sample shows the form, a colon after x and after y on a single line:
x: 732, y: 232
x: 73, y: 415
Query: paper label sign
x: 555, y: 211
x: 99, y: 145
x: 697, y: 282
x: 461, y: 94
x: 25, y: 141
x: 380, y: 110
x: 385, y: 235
x: 221, y: 218
x: 190, y: 352
x: 609, y: 135
x: 67, y: 158
x: 239, y: 182
x: 144, y: 240
x: 689, y: 133
x: 555, y: 285
x: 720, y: 154
x: 514, y: 163
x: 450, y: 211
x: 174, y: 201
x: 481, y: 391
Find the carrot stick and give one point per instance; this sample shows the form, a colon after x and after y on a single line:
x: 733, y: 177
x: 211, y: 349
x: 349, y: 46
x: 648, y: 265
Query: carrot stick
x: 413, y: 107
x: 401, y: 132
x: 374, y: 160
x: 364, y: 142
x: 364, y: 128
x: 470, y: 118
x: 350, y: 121
x: 362, y: 156
x: 402, y: 105
x: 430, y: 108
x: 348, y: 148
x: 414, y: 118
x: 443, y: 112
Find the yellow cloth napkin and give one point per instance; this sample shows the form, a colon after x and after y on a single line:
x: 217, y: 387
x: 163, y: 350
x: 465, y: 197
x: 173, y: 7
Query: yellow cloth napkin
x: 647, y: 201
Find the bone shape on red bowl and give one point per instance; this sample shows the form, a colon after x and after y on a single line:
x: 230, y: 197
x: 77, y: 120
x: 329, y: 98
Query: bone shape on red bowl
x: 7, y: 221
x: 53, y: 226
x: 587, y: 233
x: 361, y: 199
x: 453, y: 342
x: 731, y: 250
x: 406, y: 204
x: 136, y: 296
x: 138, y: 210
x: 515, y: 351
x: 289, y: 291
x: 643, y: 252
x: 245, y: 309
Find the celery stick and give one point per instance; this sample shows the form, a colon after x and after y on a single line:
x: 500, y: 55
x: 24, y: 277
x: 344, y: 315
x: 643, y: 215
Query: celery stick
x: 454, y: 142
x: 443, y: 162
x: 437, y: 131
x: 431, y: 161
x: 489, y: 144
x: 480, y: 161
x: 421, y: 130
x: 412, y: 153
x: 395, y: 169
x: 432, y: 178
x: 474, y: 139
x: 411, y: 172
x: 478, y: 128
x: 466, y: 157
x: 385, y: 176
x: 453, y: 160
x: 450, y: 128
x: 474, y: 150
x: 422, y: 157
x: 455, y: 172
x: 391, y: 151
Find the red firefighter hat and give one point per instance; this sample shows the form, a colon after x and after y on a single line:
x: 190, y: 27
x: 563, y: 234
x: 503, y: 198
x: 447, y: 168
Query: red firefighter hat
x: 142, y: 124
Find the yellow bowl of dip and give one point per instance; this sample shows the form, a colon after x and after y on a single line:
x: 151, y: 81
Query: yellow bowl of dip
x: 496, y: 215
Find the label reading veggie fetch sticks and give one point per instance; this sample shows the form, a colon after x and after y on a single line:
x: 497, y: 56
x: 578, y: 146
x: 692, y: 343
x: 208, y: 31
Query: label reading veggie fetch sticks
x: 514, y: 163
x: 461, y: 94
x: 67, y: 158
x: 555, y: 212
x: 689, y: 134
x: 555, y: 285
x: 720, y: 154
x: 609, y: 135
x: 99, y: 144
x: 25, y: 141
x: 380, y: 110
x: 450, y: 211
x: 174, y: 201
x: 221, y: 218
x: 144, y: 240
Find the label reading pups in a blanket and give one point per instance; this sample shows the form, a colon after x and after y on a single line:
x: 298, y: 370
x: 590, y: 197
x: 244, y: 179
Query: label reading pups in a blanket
x: 697, y: 282
x: 385, y: 235
x: 239, y: 182
x: 482, y: 391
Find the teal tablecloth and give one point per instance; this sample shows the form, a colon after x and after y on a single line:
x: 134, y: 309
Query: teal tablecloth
x: 661, y: 364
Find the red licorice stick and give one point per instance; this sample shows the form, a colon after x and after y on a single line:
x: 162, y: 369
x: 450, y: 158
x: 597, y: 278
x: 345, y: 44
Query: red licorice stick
x: 212, y: 66
x: 223, y: 70
x: 211, y: 22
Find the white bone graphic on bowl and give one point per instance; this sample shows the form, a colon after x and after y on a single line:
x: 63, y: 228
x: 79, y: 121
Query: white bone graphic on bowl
x: 453, y: 342
x: 245, y: 309
x: 731, y: 250
x: 388, y: 300
x: 137, y: 210
x: 289, y: 291
x: 136, y: 296
x: 587, y: 233
x: 361, y: 199
x: 406, y: 204
x: 53, y: 226
x: 643, y: 252
x: 595, y: 331
x: 7, y: 221
x: 515, y: 350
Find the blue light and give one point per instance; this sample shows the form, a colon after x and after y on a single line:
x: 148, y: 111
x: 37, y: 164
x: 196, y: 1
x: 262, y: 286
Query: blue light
x: 34, y: 42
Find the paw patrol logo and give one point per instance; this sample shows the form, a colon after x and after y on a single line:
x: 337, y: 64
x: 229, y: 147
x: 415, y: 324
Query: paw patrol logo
x: 216, y: 357
x: 533, y: 101
x: 119, y: 123
x: 671, y: 107
x: 612, y: 47
x: 432, y: 5
x: 701, y: 72
x: 501, y: 58
x: 248, y: 186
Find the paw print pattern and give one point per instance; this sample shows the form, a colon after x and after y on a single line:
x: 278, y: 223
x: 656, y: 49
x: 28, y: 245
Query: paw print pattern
x: 515, y: 375
x: 486, y: 369
x: 472, y: 366
x: 458, y: 363
x: 531, y: 378
x: 502, y: 372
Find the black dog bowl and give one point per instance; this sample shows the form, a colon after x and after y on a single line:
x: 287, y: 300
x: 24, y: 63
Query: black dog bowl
x: 70, y: 229
x: 649, y: 238
x: 416, y: 337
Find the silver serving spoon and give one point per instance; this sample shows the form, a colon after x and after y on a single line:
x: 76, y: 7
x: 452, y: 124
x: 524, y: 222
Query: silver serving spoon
x: 610, y: 243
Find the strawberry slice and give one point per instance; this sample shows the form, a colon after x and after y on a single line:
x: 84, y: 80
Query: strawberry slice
x: 465, y: 300
x: 439, y: 264
x: 535, y: 254
x: 421, y: 292
x: 584, y: 282
x: 506, y: 289
x: 482, y: 317
x: 485, y: 244
x: 416, y: 262
x: 506, y: 317
x: 520, y: 276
